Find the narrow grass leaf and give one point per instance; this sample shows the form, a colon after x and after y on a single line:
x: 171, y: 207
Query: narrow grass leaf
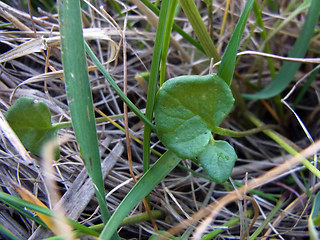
x: 283, y: 143
x: 193, y: 15
x: 153, y: 80
x: 28, y: 196
x: 267, y: 221
x: 175, y: 27
x: 157, y: 235
x: 79, y: 95
x: 259, y: 21
x: 289, y: 17
x: 314, y: 218
x: 24, y: 211
x: 148, y: 181
x: 19, y: 203
x: 224, y: 226
x: 288, y: 70
x: 228, y: 61
x: 115, y: 86
x: 166, y: 39
x: 5, y: 232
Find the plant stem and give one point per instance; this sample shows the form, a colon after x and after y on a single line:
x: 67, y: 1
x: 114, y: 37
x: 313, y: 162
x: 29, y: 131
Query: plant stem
x: 277, y: 138
x: 135, y: 219
x: 116, y: 88
x: 67, y: 124
x: 231, y: 133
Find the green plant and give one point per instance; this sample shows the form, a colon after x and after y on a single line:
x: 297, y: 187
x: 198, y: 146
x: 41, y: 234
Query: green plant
x: 207, y: 144
x: 79, y: 96
x: 187, y: 109
x: 211, y: 117
x: 31, y: 121
x: 288, y: 70
x: 314, y: 218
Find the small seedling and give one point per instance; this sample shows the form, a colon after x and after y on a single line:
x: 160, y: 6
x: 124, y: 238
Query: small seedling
x: 187, y: 110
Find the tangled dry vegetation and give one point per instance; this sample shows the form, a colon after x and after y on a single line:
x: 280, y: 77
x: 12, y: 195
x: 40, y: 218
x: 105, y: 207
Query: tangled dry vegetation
x: 285, y: 201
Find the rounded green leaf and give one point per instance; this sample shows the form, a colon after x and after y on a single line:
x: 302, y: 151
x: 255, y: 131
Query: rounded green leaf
x: 31, y: 121
x: 218, y: 160
x: 186, y: 110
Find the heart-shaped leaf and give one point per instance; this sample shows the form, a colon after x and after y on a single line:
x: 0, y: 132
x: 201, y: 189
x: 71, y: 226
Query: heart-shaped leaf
x: 218, y: 160
x: 31, y: 121
x: 186, y: 110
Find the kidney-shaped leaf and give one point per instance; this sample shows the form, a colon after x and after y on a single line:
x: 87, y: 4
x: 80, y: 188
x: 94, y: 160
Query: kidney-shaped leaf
x: 186, y: 110
x: 218, y: 160
x: 31, y: 121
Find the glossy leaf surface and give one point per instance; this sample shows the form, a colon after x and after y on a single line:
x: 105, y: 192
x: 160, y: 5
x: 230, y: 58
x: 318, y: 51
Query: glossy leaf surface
x: 186, y: 110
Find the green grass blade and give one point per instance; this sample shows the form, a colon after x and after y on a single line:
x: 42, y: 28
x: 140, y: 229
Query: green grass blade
x: 7, y: 233
x: 228, y: 61
x: 257, y: 12
x: 116, y: 88
x: 79, y: 94
x: 279, y: 139
x: 288, y: 70
x: 20, y: 203
x: 147, y: 182
x: 166, y: 40
x: 232, y: 222
x: 22, y: 210
x: 314, y: 218
x: 153, y: 80
x: 14, y: 201
x: 297, y: 10
x: 267, y: 220
x: 193, y: 15
x: 134, y: 219
x: 175, y: 27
